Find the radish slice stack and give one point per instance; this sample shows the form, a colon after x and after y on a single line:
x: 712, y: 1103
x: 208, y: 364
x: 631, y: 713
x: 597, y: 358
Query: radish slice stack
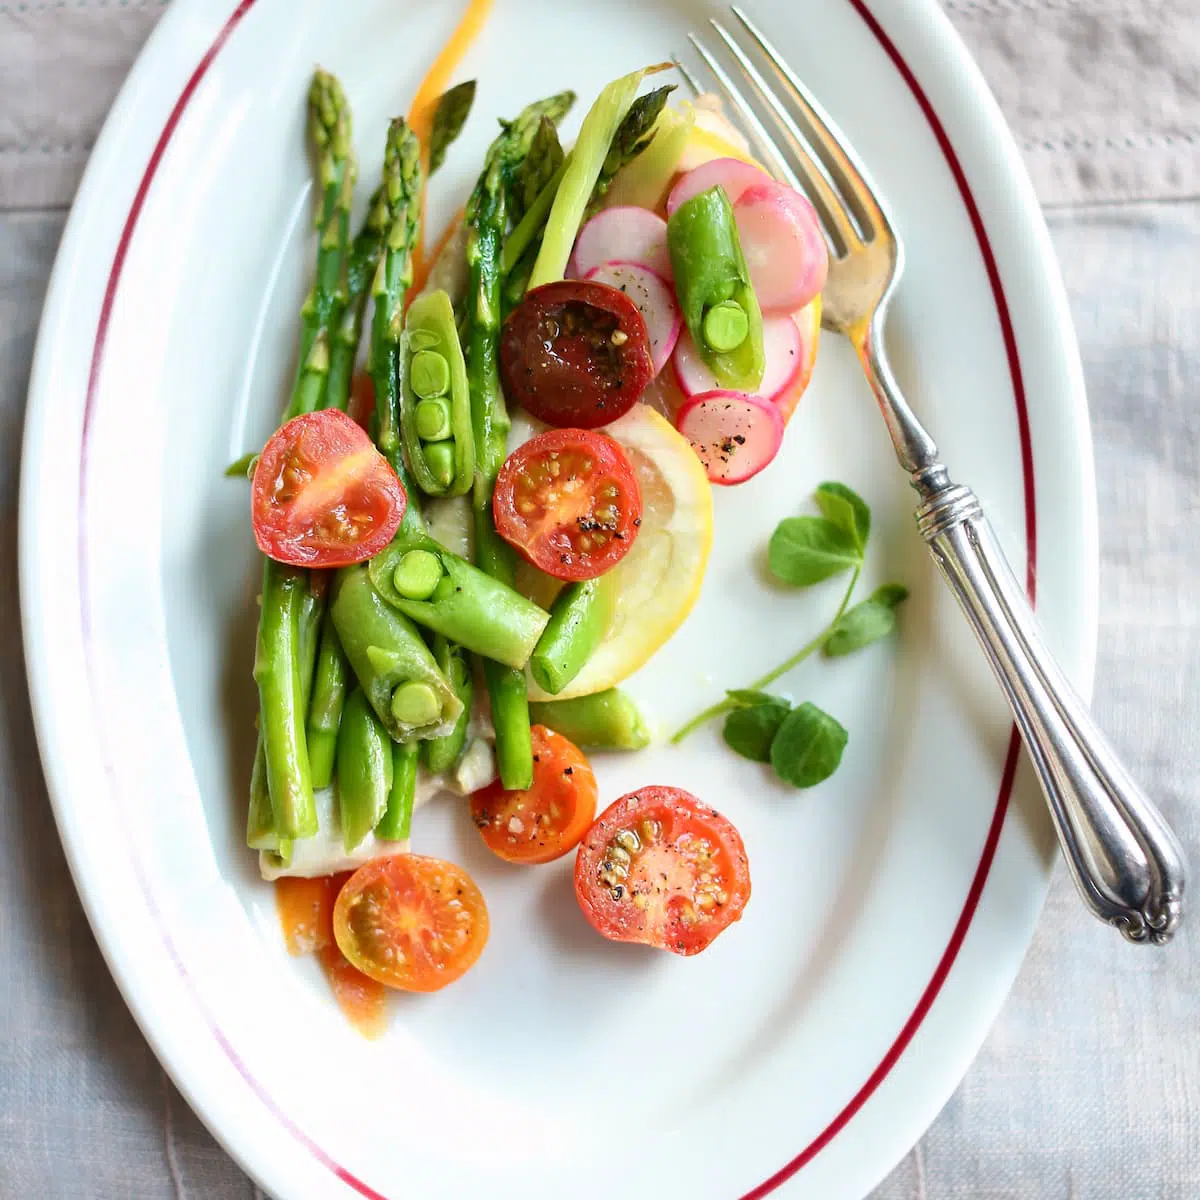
x: 734, y: 435
x: 623, y: 234
x: 655, y: 300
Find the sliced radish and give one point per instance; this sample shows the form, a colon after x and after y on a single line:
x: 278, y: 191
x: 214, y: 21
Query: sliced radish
x: 808, y: 322
x: 731, y: 174
x: 783, y: 244
x: 622, y: 234
x: 782, y: 349
x: 734, y: 435
x: 655, y: 300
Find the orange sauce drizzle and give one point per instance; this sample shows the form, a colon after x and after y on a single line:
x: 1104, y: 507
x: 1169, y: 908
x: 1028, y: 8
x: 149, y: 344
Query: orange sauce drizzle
x: 305, y: 908
x: 424, y: 105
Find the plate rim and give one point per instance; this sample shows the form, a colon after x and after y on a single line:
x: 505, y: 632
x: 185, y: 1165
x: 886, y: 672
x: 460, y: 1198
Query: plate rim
x: 107, y: 157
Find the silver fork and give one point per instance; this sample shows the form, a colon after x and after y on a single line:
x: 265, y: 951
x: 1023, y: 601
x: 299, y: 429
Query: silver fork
x: 1126, y: 862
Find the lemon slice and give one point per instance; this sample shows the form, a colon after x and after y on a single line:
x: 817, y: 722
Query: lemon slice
x: 657, y: 583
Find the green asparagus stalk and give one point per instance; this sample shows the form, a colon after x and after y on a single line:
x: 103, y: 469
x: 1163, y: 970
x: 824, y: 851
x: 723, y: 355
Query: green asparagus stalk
x: 282, y: 674
x: 330, y: 134
x: 361, y: 265
x: 486, y: 217
x: 603, y: 721
x: 634, y: 134
x: 396, y: 823
x: 364, y: 769
x: 578, y: 621
x: 440, y: 754
x: 325, y: 707
x: 448, y: 120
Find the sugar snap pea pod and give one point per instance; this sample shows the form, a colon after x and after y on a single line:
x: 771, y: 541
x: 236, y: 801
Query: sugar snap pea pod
x: 603, y: 721
x: 435, y: 406
x: 441, y: 753
x: 445, y: 593
x: 579, y: 618
x: 393, y: 665
x: 713, y: 285
x: 396, y: 823
x: 364, y: 769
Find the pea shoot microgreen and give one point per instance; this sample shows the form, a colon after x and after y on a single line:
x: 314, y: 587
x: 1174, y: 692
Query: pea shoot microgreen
x: 803, y: 743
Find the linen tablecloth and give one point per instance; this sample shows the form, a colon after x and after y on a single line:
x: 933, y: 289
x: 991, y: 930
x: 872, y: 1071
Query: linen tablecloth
x: 1089, y: 1086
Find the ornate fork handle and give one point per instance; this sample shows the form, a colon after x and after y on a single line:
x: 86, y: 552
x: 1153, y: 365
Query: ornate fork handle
x: 1125, y: 860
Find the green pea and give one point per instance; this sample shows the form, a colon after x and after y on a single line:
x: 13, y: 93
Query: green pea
x: 429, y: 374
x: 439, y: 458
x: 417, y: 574
x: 415, y: 704
x: 433, y: 420
x: 726, y: 326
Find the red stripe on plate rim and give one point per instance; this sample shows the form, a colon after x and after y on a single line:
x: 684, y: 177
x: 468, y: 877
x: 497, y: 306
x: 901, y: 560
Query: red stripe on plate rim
x: 933, y: 988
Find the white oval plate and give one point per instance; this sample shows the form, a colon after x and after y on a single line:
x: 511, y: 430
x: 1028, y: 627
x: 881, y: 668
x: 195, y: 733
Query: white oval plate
x: 814, y: 1042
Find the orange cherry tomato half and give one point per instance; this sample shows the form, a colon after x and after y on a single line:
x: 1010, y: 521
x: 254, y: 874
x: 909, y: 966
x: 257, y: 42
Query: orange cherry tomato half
x: 575, y: 352
x: 411, y: 922
x: 548, y: 819
x: 568, y: 500
x: 323, y: 496
x: 661, y: 868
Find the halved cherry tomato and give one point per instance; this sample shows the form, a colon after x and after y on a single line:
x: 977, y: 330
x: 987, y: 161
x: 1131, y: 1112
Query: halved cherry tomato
x: 569, y: 501
x: 661, y: 868
x: 544, y: 822
x: 576, y: 353
x: 323, y: 496
x: 411, y: 922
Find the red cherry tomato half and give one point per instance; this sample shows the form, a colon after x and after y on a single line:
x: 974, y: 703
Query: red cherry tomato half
x: 568, y: 500
x: 575, y: 353
x: 411, y: 922
x: 661, y: 868
x: 323, y: 496
x: 546, y: 820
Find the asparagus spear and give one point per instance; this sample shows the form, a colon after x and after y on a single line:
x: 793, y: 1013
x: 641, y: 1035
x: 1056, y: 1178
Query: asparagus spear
x: 448, y: 120
x: 633, y: 135
x: 283, y: 678
x: 364, y: 770
x: 486, y: 217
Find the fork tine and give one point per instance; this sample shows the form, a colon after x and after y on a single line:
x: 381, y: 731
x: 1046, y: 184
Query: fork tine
x: 766, y: 145
x: 826, y: 138
x: 688, y: 77
x: 826, y: 198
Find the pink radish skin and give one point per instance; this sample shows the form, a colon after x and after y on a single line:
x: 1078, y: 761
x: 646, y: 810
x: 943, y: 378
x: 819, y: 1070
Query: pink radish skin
x: 622, y: 234
x: 783, y: 244
x: 783, y: 349
x: 654, y: 298
x: 731, y: 174
x: 734, y: 435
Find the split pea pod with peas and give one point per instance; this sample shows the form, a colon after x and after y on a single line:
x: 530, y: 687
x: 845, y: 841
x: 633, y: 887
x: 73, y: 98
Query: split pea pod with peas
x: 435, y: 410
x: 712, y: 283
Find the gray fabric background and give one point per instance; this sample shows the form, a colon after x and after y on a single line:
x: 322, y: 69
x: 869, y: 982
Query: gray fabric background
x: 1089, y: 1086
